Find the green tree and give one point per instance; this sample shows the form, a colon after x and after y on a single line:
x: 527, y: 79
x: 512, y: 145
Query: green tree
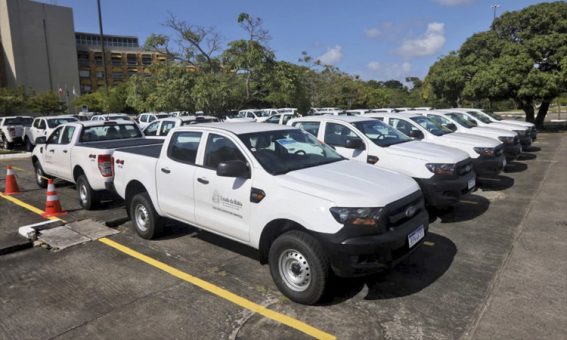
x: 12, y: 100
x: 94, y: 101
x: 46, y: 103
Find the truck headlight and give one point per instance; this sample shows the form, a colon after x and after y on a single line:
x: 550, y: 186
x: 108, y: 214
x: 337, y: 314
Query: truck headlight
x: 441, y: 168
x: 488, y: 152
x: 358, y: 216
x: 506, y: 140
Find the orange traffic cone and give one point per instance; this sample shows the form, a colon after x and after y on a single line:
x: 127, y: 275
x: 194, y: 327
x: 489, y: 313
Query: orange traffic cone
x: 11, y: 184
x: 52, y: 205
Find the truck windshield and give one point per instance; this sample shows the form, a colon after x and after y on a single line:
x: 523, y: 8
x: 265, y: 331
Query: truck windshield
x: 460, y: 119
x: 480, y: 117
x: 431, y: 126
x: 282, y: 151
x: 24, y: 121
x: 109, y: 132
x: 55, y: 122
x: 381, y: 134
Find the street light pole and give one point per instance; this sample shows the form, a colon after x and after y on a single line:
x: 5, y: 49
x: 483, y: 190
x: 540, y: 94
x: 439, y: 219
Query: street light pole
x: 103, y: 49
x: 494, y: 7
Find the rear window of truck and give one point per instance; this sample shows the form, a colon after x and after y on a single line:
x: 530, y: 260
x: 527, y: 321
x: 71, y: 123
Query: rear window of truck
x: 109, y: 132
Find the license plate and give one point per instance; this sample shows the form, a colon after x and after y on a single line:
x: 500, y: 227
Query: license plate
x: 416, y: 236
x: 472, y: 183
x: 504, y: 163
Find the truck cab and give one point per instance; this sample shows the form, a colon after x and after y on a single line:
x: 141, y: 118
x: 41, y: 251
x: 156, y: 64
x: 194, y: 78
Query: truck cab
x: 497, y: 119
x: 42, y: 127
x: 307, y: 210
x: 444, y: 174
x: 160, y: 128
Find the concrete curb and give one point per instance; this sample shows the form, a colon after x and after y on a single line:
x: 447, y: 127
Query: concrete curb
x: 15, y: 156
x: 27, y: 234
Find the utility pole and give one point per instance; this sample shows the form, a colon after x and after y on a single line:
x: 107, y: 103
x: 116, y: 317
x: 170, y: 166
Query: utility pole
x: 103, y: 49
x: 494, y: 7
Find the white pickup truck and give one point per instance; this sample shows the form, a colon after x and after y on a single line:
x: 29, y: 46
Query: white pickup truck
x: 13, y: 129
x: 42, y: 126
x: 81, y: 153
x: 497, y: 119
x: 486, y: 153
x: 275, y: 188
x: 444, y: 173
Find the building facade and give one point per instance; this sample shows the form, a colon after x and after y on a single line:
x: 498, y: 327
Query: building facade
x: 124, y: 58
x: 38, y: 46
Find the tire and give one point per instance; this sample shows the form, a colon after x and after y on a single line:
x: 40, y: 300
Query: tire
x: 29, y: 145
x: 40, y: 177
x: 88, y: 198
x: 146, y: 221
x: 299, y: 267
x: 5, y: 144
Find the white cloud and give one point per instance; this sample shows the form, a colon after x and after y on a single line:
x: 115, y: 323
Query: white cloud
x: 431, y: 42
x: 384, y: 30
x: 332, y: 56
x: 453, y: 2
x: 386, y: 71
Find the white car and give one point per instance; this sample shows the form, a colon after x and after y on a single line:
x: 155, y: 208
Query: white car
x: 456, y: 121
x: 42, y: 126
x: 292, y: 110
x: 81, y: 153
x: 256, y: 115
x: 307, y: 210
x: 486, y: 153
x: 13, y: 129
x: 144, y: 119
x: 280, y: 118
x: 479, y: 114
x: 444, y: 174
x: 358, y: 112
x: 160, y: 128
x: 111, y: 117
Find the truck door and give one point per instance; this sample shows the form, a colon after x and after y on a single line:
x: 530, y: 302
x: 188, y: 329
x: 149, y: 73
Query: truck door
x: 222, y: 203
x: 175, y: 176
x: 62, y: 155
x: 51, y: 147
x: 336, y: 135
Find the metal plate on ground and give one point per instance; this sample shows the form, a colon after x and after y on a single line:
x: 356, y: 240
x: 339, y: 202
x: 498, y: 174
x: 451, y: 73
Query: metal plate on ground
x: 61, y: 237
x: 91, y: 229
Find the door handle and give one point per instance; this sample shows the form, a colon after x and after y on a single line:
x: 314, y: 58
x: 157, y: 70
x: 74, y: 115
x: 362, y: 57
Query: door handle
x: 165, y: 170
x: 203, y: 180
x: 65, y: 151
x: 51, y: 150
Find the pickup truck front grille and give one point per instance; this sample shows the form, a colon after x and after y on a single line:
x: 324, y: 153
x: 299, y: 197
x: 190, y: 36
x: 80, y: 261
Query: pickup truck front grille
x: 464, y: 167
x: 403, y: 210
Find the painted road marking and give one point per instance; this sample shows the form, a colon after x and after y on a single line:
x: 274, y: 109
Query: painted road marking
x: 209, y: 287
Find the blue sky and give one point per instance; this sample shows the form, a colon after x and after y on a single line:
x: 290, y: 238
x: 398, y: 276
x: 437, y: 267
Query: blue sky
x: 378, y: 39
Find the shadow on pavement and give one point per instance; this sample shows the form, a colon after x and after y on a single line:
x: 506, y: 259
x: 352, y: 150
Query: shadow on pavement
x: 532, y: 148
x: 495, y: 183
x: 525, y: 156
x: 514, y: 167
x: 427, y: 264
x: 467, y: 209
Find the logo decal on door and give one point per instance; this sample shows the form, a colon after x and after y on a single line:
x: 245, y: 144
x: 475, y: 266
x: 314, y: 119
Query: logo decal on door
x: 223, y: 203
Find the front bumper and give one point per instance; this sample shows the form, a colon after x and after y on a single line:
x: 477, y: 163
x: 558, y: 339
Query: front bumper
x: 526, y: 141
x: 512, y: 151
x: 488, y: 166
x: 446, y: 191
x: 354, y: 253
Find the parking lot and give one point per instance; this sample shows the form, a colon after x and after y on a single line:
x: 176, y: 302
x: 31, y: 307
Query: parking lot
x: 492, y: 267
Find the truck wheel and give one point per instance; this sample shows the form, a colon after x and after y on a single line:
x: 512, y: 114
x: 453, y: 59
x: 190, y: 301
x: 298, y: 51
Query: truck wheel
x: 40, y: 177
x: 87, y: 196
x: 147, y: 222
x: 299, y: 267
x: 29, y: 145
x: 6, y: 145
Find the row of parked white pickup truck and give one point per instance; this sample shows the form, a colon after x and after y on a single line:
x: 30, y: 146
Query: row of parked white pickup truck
x: 321, y: 195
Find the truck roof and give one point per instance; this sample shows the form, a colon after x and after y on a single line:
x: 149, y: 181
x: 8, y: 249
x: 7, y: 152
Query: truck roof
x: 401, y: 115
x: 237, y: 129
x: 89, y: 123
x: 341, y: 118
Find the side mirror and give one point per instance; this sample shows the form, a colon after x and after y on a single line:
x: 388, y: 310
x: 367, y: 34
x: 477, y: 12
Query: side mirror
x: 452, y: 126
x: 416, y: 134
x: 354, y: 143
x: 40, y: 140
x: 235, y: 168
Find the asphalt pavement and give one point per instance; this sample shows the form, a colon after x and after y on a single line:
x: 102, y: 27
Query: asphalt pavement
x: 493, y: 267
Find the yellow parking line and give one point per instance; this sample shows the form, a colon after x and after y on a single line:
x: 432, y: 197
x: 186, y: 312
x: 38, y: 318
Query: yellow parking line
x: 209, y: 287
x: 223, y: 293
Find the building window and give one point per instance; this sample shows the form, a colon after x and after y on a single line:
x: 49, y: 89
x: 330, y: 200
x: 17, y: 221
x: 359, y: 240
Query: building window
x: 117, y: 75
x: 86, y: 89
x: 100, y: 74
x: 84, y: 73
x: 146, y: 59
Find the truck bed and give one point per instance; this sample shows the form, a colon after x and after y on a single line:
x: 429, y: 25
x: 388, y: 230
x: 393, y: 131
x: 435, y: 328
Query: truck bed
x: 121, y: 143
x: 152, y: 151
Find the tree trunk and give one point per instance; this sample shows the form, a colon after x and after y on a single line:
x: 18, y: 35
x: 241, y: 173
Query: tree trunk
x: 528, y: 108
x: 543, y: 108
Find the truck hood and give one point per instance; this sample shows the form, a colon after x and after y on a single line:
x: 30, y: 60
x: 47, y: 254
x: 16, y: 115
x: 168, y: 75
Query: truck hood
x: 492, y: 132
x: 506, y: 126
x: 350, y: 183
x: 429, y: 152
x: 471, y: 140
x: 517, y: 122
